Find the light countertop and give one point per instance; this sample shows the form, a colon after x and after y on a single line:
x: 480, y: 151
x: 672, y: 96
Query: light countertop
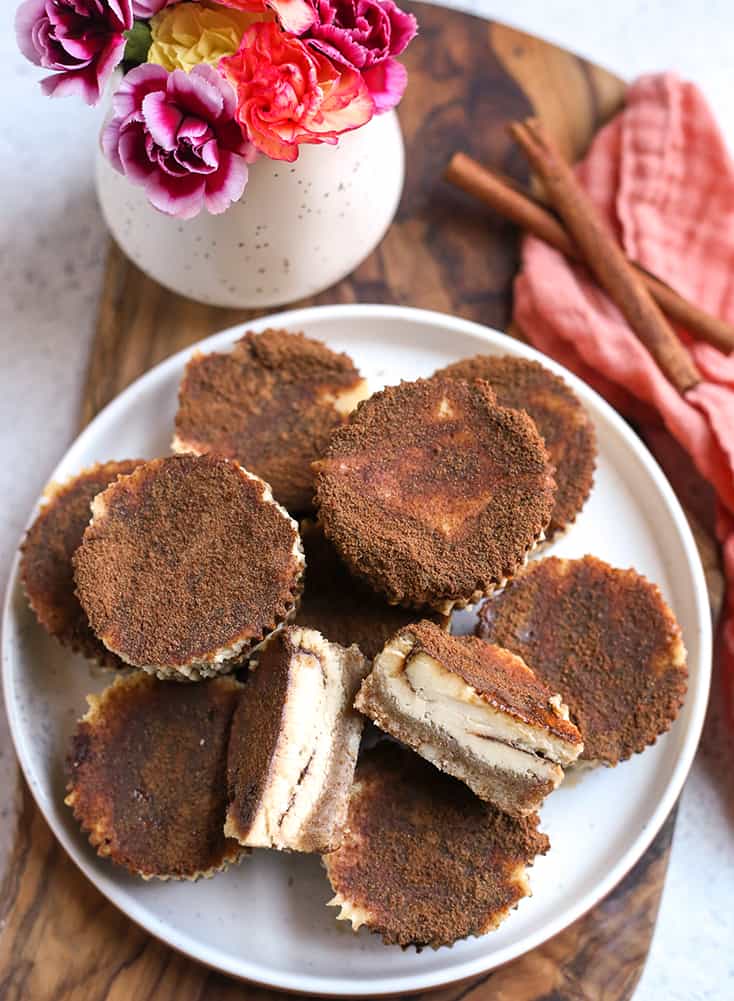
x: 52, y: 253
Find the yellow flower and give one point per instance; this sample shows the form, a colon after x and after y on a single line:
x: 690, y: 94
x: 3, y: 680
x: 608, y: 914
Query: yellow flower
x: 191, y: 33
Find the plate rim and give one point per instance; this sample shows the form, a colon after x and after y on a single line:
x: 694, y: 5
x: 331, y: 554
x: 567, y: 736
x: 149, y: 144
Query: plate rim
x: 311, y: 984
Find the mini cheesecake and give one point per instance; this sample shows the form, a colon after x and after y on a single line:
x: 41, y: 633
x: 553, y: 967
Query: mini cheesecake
x: 423, y: 861
x: 603, y: 637
x: 270, y: 403
x: 187, y: 566
x: 560, y: 418
x: 147, y: 775
x: 46, y: 569
x: 294, y: 744
x: 475, y: 711
x: 343, y: 608
x: 433, y: 494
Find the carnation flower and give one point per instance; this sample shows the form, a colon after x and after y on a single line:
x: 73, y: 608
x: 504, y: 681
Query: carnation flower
x: 80, y: 40
x: 289, y: 94
x: 147, y: 8
x: 175, y: 134
x: 188, y: 34
x: 367, y: 35
x: 295, y: 15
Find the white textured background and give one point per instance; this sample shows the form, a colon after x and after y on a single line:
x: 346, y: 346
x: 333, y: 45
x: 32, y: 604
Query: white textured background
x: 52, y: 246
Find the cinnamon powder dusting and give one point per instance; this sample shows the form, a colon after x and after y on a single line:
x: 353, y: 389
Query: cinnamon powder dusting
x: 605, y: 639
x: 433, y: 493
x: 564, y: 425
x: 147, y: 775
x: 188, y: 559
x: 502, y: 678
x: 46, y: 567
x: 345, y: 609
x: 269, y: 404
x: 426, y: 860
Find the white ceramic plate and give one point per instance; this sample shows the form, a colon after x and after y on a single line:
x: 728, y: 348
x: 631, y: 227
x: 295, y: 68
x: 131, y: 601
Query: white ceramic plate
x: 266, y: 920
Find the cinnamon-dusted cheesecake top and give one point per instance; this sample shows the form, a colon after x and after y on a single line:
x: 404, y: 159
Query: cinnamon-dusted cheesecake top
x: 342, y: 607
x: 187, y: 564
x: 46, y: 568
x: 606, y: 639
x: 424, y: 862
x: 563, y: 423
x: 500, y: 678
x: 270, y: 403
x: 147, y: 775
x: 433, y: 493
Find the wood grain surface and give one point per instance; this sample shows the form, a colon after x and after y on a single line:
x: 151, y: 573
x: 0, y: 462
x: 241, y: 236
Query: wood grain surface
x: 59, y: 938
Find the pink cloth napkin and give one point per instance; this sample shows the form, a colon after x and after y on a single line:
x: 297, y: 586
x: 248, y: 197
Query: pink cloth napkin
x: 661, y: 174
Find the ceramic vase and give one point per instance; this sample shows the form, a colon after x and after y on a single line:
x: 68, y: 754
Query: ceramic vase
x: 298, y: 228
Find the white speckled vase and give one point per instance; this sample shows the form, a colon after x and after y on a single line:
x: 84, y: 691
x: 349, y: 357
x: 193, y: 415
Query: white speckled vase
x: 297, y: 229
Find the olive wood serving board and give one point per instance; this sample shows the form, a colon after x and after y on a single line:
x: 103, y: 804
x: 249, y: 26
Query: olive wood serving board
x: 59, y: 938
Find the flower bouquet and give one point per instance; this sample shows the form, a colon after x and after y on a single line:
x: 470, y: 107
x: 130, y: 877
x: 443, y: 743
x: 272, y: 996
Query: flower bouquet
x: 207, y: 87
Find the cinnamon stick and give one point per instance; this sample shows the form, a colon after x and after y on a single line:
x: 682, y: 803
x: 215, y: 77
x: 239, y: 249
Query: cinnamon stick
x: 509, y: 200
x: 603, y: 256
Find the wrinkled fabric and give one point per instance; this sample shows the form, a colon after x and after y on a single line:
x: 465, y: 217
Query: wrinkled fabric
x: 661, y: 175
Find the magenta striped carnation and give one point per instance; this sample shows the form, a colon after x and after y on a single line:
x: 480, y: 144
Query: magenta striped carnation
x: 175, y: 134
x: 80, y: 40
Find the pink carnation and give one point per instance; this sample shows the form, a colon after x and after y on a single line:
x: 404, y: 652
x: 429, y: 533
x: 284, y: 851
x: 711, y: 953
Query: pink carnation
x: 147, y: 8
x: 288, y: 94
x: 175, y: 134
x: 80, y: 40
x: 295, y: 15
x: 363, y: 34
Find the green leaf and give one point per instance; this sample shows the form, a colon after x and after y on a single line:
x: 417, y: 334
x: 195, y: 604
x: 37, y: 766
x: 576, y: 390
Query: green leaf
x: 138, y: 40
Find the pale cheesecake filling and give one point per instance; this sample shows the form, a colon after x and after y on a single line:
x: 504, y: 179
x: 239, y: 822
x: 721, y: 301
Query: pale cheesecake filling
x: 344, y: 401
x: 303, y: 757
x: 422, y: 689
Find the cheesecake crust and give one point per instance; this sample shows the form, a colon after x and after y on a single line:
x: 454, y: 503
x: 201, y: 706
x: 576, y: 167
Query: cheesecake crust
x: 147, y: 775
x: 424, y: 862
x: 606, y: 639
x: 187, y: 566
x: 564, y: 425
x: 46, y: 569
x: 343, y: 608
x: 434, y: 494
x: 270, y: 403
x: 294, y: 743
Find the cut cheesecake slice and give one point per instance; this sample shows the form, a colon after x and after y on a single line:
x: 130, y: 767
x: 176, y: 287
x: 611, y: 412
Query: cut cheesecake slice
x: 293, y: 745
x: 475, y: 711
